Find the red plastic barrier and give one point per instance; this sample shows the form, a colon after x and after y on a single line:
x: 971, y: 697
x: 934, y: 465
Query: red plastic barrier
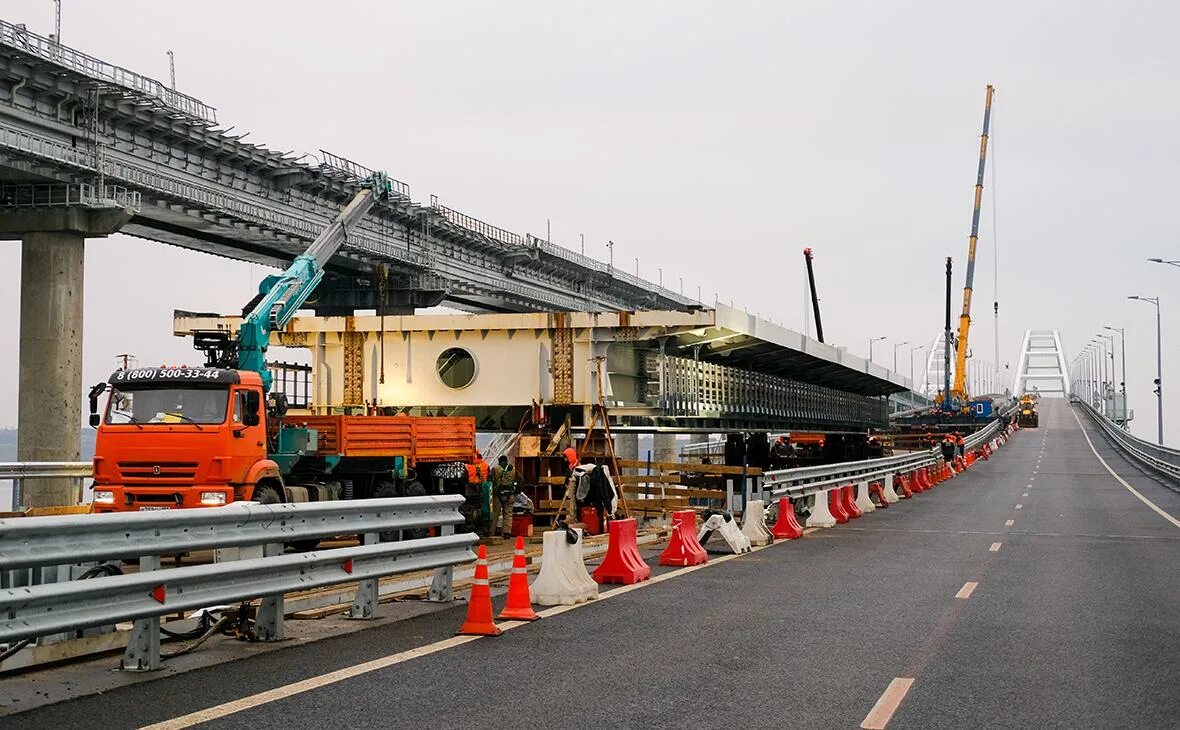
x: 849, y: 495
x: 924, y: 478
x: 622, y: 563
x: 684, y: 548
x: 787, y: 527
x: 836, y: 505
x: 903, y: 481
x: 877, y: 489
x: 915, y: 483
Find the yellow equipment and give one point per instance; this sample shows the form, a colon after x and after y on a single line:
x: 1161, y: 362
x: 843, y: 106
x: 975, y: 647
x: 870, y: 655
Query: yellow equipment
x: 958, y: 392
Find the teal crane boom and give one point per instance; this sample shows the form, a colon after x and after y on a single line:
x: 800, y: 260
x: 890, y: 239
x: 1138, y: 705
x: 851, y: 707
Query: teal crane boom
x: 281, y: 295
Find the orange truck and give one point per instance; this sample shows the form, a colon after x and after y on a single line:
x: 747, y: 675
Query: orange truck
x: 172, y: 438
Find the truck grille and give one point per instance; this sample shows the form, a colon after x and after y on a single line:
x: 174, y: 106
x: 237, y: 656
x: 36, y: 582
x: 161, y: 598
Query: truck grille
x: 151, y: 470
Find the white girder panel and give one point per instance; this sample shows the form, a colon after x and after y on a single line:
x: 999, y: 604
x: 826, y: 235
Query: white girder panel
x: 1042, y: 365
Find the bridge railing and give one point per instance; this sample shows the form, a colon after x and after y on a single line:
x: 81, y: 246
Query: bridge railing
x: 29, y: 611
x: 20, y: 38
x: 809, y: 480
x: 1160, y: 459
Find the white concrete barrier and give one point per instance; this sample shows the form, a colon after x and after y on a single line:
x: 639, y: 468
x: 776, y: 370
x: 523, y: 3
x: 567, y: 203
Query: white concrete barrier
x: 728, y: 529
x: 821, y: 515
x: 754, y: 523
x: 863, y: 503
x: 563, y: 579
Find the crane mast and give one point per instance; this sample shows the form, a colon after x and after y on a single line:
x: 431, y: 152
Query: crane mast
x: 959, y: 391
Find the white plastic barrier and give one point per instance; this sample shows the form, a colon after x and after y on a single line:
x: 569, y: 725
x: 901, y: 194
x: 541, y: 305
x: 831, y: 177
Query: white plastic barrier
x: 888, y: 493
x: 820, y: 515
x: 863, y: 503
x: 728, y: 529
x: 754, y: 523
x: 563, y: 579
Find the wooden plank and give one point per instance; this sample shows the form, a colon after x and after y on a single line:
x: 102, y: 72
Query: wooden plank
x: 683, y: 493
x: 692, y: 468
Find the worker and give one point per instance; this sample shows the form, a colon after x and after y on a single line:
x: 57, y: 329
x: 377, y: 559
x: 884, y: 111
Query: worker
x: 960, y: 443
x: 571, y: 460
x: 930, y: 442
x: 478, y: 481
x: 504, y: 482
x: 948, y: 447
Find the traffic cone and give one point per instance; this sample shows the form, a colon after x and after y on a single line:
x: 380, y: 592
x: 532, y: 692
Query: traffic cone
x: 519, y: 605
x: 479, y: 607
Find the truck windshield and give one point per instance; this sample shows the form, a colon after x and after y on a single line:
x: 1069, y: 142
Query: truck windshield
x: 167, y: 405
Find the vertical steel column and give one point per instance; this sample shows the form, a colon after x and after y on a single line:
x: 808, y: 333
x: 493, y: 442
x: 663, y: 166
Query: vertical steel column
x: 269, y: 623
x: 442, y: 586
x: 364, y: 603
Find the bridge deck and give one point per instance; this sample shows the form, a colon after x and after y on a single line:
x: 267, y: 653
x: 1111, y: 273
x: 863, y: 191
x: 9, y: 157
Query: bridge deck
x: 1071, y: 624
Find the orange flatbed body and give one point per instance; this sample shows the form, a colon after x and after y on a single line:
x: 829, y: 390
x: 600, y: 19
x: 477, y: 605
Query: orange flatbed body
x: 425, y: 439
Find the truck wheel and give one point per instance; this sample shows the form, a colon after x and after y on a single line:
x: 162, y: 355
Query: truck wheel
x: 266, y: 494
x: 415, y: 489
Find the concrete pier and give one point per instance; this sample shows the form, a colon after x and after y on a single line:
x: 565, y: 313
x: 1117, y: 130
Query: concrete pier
x: 49, y: 404
x: 665, y: 447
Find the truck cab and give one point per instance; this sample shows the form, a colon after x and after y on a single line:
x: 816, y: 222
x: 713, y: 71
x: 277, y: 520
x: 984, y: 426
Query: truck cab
x: 172, y: 438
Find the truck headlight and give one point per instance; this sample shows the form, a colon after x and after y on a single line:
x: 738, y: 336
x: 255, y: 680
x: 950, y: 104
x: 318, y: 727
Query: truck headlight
x: 104, y: 496
x: 212, y: 498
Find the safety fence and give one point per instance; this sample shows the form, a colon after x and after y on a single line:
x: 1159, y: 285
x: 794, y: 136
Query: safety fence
x: 76, y: 545
x: 1159, y: 459
x: 20, y: 471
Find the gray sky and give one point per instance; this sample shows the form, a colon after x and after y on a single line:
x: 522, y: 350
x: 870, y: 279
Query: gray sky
x: 713, y: 139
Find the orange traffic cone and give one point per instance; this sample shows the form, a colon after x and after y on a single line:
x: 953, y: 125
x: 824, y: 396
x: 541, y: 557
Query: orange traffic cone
x: 479, y: 607
x: 520, y: 605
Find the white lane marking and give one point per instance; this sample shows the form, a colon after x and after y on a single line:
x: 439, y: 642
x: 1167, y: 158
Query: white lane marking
x: 1009, y: 523
x: 1032, y: 479
x: 887, y: 704
x: 995, y: 548
x: 967, y: 589
x: 306, y: 685
x: 1024, y: 495
x: 1175, y: 522
x: 1020, y: 506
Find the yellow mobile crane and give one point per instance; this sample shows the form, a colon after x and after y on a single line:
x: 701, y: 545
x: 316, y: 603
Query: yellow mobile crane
x: 959, y: 400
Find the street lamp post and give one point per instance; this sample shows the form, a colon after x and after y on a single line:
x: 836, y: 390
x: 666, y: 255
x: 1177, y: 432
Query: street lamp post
x: 1165, y: 261
x: 899, y: 344
x: 1159, y: 366
x: 1110, y: 383
x: 871, y: 341
x: 1123, y: 381
x: 913, y: 349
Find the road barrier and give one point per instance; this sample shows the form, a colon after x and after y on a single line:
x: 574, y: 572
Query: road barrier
x: 28, y: 611
x: 563, y: 580
x: 1160, y: 459
x: 683, y: 547
x: 622, y: 563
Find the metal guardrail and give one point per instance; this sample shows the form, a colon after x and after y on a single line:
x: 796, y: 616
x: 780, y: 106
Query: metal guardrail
x: 22, y: 39
x: 1160, y: 459
x: 46, y: 609
x: 54, y: 195
x: 20, y: 471
x: 805, y: 481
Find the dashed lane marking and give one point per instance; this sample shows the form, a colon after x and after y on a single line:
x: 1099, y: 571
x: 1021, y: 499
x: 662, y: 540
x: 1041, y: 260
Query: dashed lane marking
x: 1009, y: 523
x: 1020, y: 506
x: 1024, y: 495
x: 887, y: 704
x: 967, y: 589
x: 1175, y: 522
x: 995, y: 548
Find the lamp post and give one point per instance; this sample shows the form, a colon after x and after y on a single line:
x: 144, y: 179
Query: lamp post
x: 1165, y: 261
x: 1159, y: 366
x: 1123, y: 381
x: 610, y: 245
x: 1110, y: 382
x: 914, y: 349
x: 871, y: 341
x: 899, y: 344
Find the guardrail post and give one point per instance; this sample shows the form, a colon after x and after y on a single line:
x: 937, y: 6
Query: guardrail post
x: 143, y: 648
x: 269, y: 624
x: 364, y: 603
x: 442, y: 588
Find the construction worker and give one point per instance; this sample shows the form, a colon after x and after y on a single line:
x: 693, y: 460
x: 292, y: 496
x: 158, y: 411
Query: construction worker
x: 960, y: 443
x: 503, y: 485
x: 477, y: 477
x: 948, y: 447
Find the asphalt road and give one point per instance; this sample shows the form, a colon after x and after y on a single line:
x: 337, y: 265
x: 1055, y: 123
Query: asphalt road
x: 1073, y: 622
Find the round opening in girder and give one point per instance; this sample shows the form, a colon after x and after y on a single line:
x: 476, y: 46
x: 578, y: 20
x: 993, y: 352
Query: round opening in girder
x: 456, y: 367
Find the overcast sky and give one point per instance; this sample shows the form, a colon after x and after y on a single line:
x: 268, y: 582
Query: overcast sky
x: 713, y: 139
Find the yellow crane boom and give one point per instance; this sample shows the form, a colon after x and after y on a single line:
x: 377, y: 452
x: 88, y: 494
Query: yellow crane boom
x: 959, y: 391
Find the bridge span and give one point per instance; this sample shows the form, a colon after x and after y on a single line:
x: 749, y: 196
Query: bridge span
x: 1037, y: 588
